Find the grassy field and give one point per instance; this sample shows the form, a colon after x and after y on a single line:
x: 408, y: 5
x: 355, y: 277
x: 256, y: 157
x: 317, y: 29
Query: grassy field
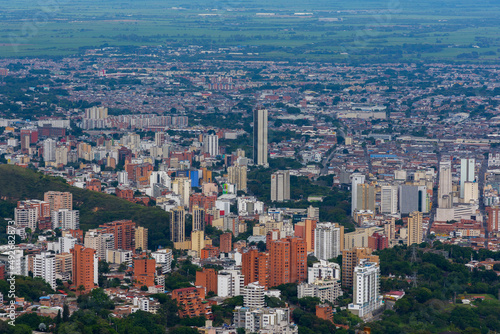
x: 62, y: 27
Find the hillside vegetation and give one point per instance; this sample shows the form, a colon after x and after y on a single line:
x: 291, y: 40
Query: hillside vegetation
x: 96, y: 208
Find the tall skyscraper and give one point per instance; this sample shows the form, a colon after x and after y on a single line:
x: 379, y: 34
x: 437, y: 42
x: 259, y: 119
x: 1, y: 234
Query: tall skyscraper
x: 280, y: 186
x: 49, y: 150
x: 445, y: 191
x: 415, y: 228
x: 355, y: 180
x: 287, y: 261
x: 389, y: 199
x: 84, y: 267
x: 260, y: 137
x: 177, y: 224
x: 327, y: 241
x: 211, y: 144
x: 467, y: 173
x: 366, y: 290
x: 238, y: 175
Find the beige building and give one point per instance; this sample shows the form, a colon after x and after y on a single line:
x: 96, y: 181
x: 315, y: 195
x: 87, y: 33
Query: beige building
x: 141, y: 238
x: 238, y: 175
x: 360, y: 237
x: 365, y: 197
x: 59, y: 200
x: 415, y: 228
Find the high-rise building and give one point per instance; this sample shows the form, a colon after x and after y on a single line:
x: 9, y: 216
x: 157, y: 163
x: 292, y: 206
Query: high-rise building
x: 367, y: 298
x: 313, y: 212
x: 64, y: 265
x: 445, y: 191
x: 177, y: 224
x: 96, y: 113
x: 389, y: 199
x: 164, y: 258
x: 49, y: 150
x: 44, y: 266
x: 356, y: 179
x: 471, y: 192
x: 62, y: 155
x: 280, y: 186
x: 230, y: 283
x: 211, y: 144
x: 84, y: 268
x: 287, y: 261
x: 141, y: 238
x: 366, y: 197
x: 493, y: 219
x: 260, y: 137
x: 467, y: 173
x: 124, y: 232
x: 66, y: 219
x: 253, y: 295
x: 198, y: 219
x: 226, y: 242
x: 238, y: 175
x: 413, y: 198
x: 59, y: 200
x: 415, y: 232
x: 182, y: 187
x: 327, y: 241
x: 255, y: 267
x: 198, y: 241
x: 350, y: 259
x: 207, y: 278
x: 100, y: 241
x: 305, y: 230
x: 144, y: 272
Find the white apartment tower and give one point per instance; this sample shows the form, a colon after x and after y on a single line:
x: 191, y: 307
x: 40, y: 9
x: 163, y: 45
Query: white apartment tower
x: 230, y: 283
x: 49, y: 150
x: 280, y: 186
x: 326, y: 241
x: 389, y: 199
x: 356, y: 179
x: 260, y: 137
x: 211, y: 144
x: 44, y: 266
x: 367, y: 296
x: 66, y: 219
x: 467, y: 174
x: 253, y: 295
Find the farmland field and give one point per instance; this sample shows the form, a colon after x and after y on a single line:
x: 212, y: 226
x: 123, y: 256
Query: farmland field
x: 306, y: 30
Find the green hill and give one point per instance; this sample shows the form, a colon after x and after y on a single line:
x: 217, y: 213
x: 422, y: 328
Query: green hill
x: 18, y: 183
